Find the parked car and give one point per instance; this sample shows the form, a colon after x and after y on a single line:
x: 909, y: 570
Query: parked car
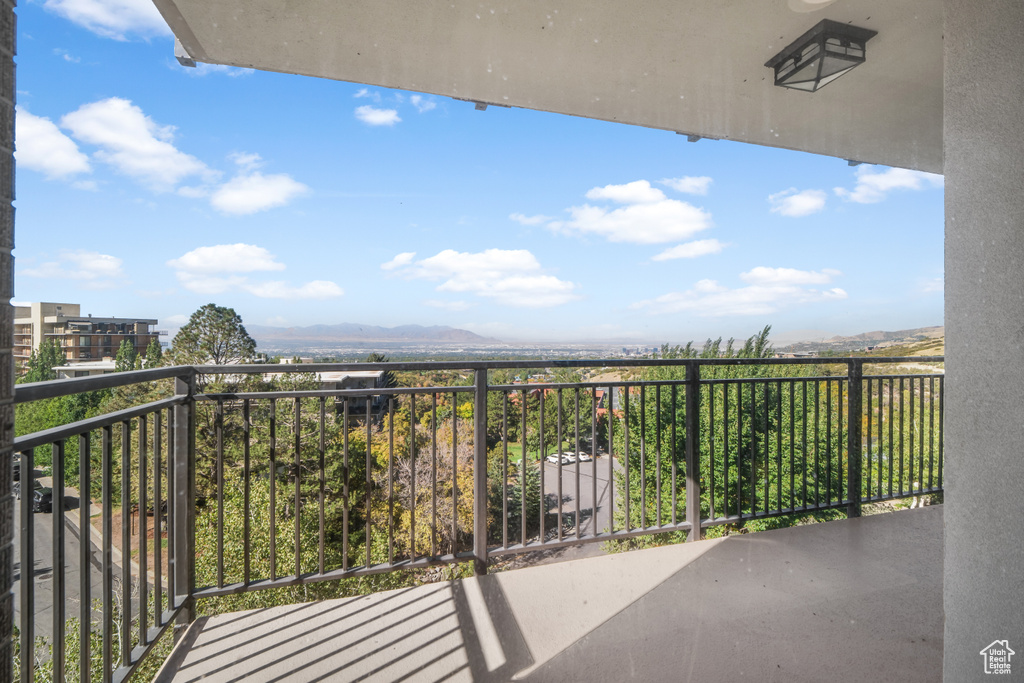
x: 565, y: 458
x: 42, y: 498
x: 585, y: 457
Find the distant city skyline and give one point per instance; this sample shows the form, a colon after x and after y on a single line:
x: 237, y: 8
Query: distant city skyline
x: 149, y: 189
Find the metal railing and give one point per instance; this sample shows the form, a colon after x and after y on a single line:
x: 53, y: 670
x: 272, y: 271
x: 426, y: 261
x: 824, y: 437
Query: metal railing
x: 256, y: 488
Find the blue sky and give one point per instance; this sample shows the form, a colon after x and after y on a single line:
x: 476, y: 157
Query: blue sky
x: 149, y: 189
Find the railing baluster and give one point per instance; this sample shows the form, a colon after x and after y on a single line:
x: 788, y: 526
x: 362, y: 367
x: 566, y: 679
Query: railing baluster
x: 627, y: 485
x: 931, y: 427
x: 455, y: 472
x: 942, y: 396
x: 643, y: 457
x: 107, y: 562
x: 323, y: 483
x: 84, y: 557
x: 57, y: 557
x: 218, y: 428
x: 853, y: 426
x: 369, y: 479
x: 778, y: 446
x: 480, y: 472
x: 412, y: 485
x: 657, y: 450
x: 298, y: 486
x: 675, y: 458
x: 158, y: 566
x: 558, y: 451
x: 522, y: 468
x: 792, y: 446
x: 504, y: 469
x: 611, y: 459
x: 346, y: 503
x: 543, y: 467
x: 712, y: 459
x: 593, y: 462
x: 246, y: 493
x: 433, y: 474
x: 126, y: 545
x: 576, y: 446
x: 391, y: 480
x: 693, y: 450
x: 273, y: 490
x: 26, y: 565
x: 143, y: 531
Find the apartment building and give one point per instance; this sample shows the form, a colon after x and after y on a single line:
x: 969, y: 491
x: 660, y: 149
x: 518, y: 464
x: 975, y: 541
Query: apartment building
x: 83, y: 338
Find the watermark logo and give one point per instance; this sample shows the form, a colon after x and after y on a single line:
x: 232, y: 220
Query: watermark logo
x: 997, y: 657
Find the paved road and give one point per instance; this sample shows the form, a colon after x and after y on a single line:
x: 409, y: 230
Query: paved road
x: 593, y: 514
x: 42, y: 570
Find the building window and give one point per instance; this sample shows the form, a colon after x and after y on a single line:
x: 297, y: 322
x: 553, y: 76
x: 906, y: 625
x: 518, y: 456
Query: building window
x: 85, y: 340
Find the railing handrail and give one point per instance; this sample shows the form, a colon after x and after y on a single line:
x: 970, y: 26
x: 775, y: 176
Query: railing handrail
x: 34, y: 391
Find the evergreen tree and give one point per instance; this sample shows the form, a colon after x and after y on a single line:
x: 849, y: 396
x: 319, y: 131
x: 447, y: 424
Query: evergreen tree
x: 213, y: 335
x: 154, y: 354
x: 125, y: 359
x: 42, y: 362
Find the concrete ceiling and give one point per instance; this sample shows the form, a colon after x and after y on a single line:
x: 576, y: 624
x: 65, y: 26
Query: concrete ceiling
x: 690, y: 66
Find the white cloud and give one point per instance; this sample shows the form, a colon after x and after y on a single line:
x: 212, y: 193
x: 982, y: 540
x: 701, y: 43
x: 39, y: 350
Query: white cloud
x: 223, y: 268
x: 112, y: 18
x: 91, y: 269
x: 507, y: 277
x: 689, y: 184
x: 177, y: 319
x: 43, y: 147
x: 317, y: 289
x: 377, y: 117
x: 422, y: 104
x: 403, y: 259
x: 874, y: 185
x: 768, y: 291
x: 796, y: 204
x: 246, y: 161
x: 690, y: 250
x: 932, y: 285
x: 246, y: 194
x: 203, y: 69
x: 66, y: 56
x: 448, y: 305
x: 133, y: 143
x: 529, y: 220
x: 365, y: 92
x: 227, y: 258
x: 648, y: 216
x: 788, y: 276
x: 636, y: 192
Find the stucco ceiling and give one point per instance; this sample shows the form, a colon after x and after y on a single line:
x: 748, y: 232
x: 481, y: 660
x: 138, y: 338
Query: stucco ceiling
x: 690, y: 66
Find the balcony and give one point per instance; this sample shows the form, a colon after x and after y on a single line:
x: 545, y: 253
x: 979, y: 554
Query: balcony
x: 257, y: 487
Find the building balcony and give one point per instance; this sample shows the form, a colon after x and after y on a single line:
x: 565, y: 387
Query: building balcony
x: 256, y: 495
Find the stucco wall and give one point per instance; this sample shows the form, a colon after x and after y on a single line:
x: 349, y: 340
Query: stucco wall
x: 984, y: 411
x: 7, y: 89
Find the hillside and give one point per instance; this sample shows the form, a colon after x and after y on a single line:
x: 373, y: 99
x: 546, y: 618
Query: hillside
x: 923, y: 340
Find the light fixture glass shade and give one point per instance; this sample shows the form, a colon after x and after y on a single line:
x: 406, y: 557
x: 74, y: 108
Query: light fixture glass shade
x: 820, y: 56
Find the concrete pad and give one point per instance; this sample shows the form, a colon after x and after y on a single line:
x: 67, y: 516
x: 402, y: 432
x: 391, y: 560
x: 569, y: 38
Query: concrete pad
x: 847, y: 600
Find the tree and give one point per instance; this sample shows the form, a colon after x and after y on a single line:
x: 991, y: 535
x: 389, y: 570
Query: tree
x: 154, y: 354
x: 125, y: 359
x: 213, y: 335
x: 42, y: 362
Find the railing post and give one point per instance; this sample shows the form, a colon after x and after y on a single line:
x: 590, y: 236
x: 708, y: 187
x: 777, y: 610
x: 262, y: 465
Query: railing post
x: 853, y: 436
x: 480, y: 472
x: 693, y: 450
x: 183, y: 533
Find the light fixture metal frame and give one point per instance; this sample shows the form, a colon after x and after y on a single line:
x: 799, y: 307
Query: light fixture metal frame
x: 847, y: 35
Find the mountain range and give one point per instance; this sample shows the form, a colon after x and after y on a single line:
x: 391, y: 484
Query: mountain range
x: 344, y: 332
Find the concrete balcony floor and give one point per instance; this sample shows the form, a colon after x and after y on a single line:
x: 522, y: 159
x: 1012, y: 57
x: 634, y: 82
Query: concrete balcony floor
x: 850, y: 600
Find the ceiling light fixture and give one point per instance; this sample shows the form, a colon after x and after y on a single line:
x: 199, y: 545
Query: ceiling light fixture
x: 820, y: 56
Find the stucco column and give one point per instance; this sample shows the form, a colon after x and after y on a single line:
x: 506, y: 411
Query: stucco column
x: 984, y: 411
x: 7, y: 90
